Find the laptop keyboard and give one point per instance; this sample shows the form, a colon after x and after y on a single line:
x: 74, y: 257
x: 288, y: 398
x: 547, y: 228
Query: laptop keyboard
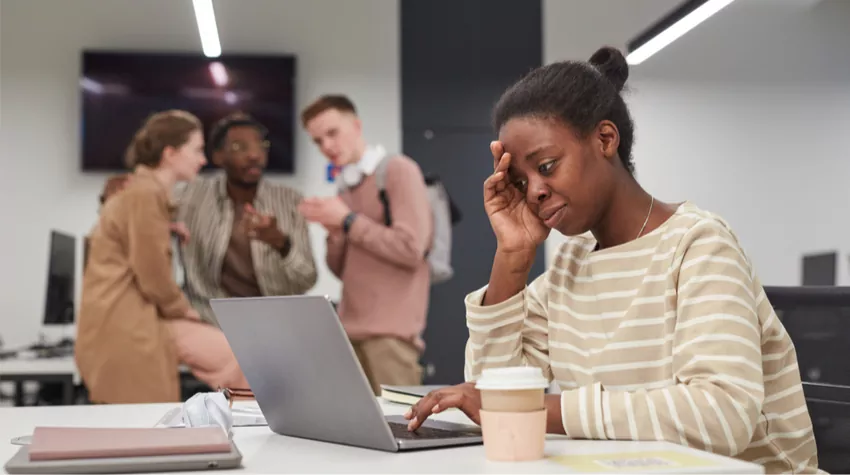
x: 400, y: 432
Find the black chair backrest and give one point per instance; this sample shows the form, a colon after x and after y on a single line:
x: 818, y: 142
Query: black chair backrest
x: 818, y: 320
x: 808, y: 296
x: 834, y: 393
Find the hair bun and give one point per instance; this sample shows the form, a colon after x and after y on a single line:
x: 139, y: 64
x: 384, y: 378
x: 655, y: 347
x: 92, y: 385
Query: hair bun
x: 612, y: 64
x: 139, y: 149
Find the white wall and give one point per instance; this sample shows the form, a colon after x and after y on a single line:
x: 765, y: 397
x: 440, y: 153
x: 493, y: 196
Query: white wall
x: 348, y: 47
x: 761, y: 148
x: 759, y: 155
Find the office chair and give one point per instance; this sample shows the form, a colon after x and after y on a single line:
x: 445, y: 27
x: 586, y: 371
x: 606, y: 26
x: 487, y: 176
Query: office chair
x: 829, y: 406
x: 818, y: 320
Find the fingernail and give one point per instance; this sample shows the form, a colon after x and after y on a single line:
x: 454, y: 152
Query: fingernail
x: 411, y: 424
x: 408, y: 414
x: 436, y: 408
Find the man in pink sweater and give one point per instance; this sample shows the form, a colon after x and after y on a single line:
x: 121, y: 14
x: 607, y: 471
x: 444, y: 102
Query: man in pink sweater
x: 383, y: 268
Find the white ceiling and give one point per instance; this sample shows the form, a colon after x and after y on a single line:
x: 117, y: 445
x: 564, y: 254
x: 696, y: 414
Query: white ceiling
x: 769, y: 41
x: 574, y: 29
x: 751, y: 40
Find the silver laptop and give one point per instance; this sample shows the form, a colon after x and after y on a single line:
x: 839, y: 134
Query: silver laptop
x: 308, y: 381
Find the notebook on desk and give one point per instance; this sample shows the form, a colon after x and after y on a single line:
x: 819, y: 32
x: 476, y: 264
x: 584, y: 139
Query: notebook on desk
x: 64, y: 443
x: 21, y: 463
x: 102, y: 450
x: 408, y: 395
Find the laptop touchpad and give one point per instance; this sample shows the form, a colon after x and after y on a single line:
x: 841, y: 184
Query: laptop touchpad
x: 465, y: 429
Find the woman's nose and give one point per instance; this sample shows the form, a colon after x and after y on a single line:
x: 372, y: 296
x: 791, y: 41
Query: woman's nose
x: 537, y: 192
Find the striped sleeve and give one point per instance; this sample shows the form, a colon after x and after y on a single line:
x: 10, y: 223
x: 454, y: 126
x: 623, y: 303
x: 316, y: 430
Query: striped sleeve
x: 716, y: 360
x: 512, y: 333
x: 295, y: 272
x: 182, y: 197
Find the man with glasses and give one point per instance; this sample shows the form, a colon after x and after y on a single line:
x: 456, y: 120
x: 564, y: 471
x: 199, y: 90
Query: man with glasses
x: 244, y: 236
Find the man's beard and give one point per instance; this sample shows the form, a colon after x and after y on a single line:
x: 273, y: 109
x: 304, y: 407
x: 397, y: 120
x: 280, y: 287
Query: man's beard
x: 239, y: 183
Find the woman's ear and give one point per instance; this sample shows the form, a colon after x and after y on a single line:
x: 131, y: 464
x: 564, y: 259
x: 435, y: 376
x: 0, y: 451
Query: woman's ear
x: 609, y: 138
x: 167, y: 154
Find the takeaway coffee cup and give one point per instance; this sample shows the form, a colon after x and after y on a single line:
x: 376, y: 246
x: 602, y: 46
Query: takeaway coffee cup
x: 513, y: 414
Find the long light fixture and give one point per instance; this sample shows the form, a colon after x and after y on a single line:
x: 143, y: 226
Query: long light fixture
x: 205, y: 16
x: 667, y: 30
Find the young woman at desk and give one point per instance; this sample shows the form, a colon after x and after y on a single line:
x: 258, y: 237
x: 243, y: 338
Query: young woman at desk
x: 135, y: 323
x: 651, y: 319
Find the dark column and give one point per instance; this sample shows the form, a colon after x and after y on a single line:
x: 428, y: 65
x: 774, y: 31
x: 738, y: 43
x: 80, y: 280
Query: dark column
x: 457, y: 57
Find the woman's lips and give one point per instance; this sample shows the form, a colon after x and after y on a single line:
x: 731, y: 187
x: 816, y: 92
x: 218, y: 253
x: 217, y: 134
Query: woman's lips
x: 556, y: 217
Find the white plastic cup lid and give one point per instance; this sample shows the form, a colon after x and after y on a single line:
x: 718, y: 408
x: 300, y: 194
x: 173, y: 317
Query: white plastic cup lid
x: 513, y: 378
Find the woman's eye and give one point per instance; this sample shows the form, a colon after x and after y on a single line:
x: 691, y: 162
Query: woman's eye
x: 545, y: 168
x: 521, y: 185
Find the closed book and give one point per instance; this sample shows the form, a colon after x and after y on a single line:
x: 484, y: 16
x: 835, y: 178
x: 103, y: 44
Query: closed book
x: 409, y: 395
x: 68, y: 443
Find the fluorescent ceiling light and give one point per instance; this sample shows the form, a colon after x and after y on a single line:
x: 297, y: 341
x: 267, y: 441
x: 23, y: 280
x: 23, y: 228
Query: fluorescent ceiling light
x: 670, y: 28
x: 205, y: 16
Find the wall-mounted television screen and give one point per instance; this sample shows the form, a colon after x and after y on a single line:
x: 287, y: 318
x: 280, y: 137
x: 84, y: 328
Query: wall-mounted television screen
x: 121, y: 89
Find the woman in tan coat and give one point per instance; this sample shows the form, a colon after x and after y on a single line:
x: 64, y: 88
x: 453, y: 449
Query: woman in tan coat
x: 133, y: 315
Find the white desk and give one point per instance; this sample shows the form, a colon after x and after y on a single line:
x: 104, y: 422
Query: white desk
x: 43, y: 370
x: 266, y: 452
x: 38, y: 366
x: 60, y: 369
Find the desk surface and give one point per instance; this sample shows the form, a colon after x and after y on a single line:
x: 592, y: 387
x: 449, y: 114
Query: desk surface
x: 264, y: 451
x: 35, y: 366
x: 32, y: 366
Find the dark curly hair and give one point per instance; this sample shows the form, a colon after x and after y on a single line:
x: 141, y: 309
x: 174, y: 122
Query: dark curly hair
x: 219, y: 130
x: 580, y: 94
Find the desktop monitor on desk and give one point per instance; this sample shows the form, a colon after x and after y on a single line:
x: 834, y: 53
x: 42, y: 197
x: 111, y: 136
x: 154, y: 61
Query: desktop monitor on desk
x: 820, y: 269
x: 59, y: 300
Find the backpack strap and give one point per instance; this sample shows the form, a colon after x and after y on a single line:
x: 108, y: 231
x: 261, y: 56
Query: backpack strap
x: 381, y: 182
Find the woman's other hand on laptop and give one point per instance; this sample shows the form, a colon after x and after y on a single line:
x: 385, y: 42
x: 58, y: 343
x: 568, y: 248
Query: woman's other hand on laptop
x: 463, y: 396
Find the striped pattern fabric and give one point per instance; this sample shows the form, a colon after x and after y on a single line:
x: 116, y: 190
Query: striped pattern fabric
x: 668, y: 337
x: 207, y: 211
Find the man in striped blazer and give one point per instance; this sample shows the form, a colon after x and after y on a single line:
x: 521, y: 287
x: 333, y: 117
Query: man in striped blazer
x: 245, y: 235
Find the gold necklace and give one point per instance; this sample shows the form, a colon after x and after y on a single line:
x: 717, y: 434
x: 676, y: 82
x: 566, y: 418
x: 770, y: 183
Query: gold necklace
x: 651, y: 203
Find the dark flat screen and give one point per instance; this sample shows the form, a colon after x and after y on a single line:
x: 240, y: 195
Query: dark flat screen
x: 120, y: 90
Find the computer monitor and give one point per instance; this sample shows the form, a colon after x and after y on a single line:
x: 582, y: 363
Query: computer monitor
x: 820, y: 269
x: 59, y: 301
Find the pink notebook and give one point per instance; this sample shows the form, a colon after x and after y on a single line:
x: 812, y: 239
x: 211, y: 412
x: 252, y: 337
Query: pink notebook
x: 65, y: 443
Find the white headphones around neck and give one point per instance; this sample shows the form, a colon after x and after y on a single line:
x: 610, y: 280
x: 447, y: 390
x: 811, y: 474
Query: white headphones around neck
x: 353, y: 174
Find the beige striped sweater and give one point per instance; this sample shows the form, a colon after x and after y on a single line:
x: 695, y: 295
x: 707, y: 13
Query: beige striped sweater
x: 668, y: 337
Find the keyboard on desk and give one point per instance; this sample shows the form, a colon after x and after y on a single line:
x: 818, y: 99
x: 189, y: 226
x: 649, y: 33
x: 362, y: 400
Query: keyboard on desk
x: 400, y: 432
